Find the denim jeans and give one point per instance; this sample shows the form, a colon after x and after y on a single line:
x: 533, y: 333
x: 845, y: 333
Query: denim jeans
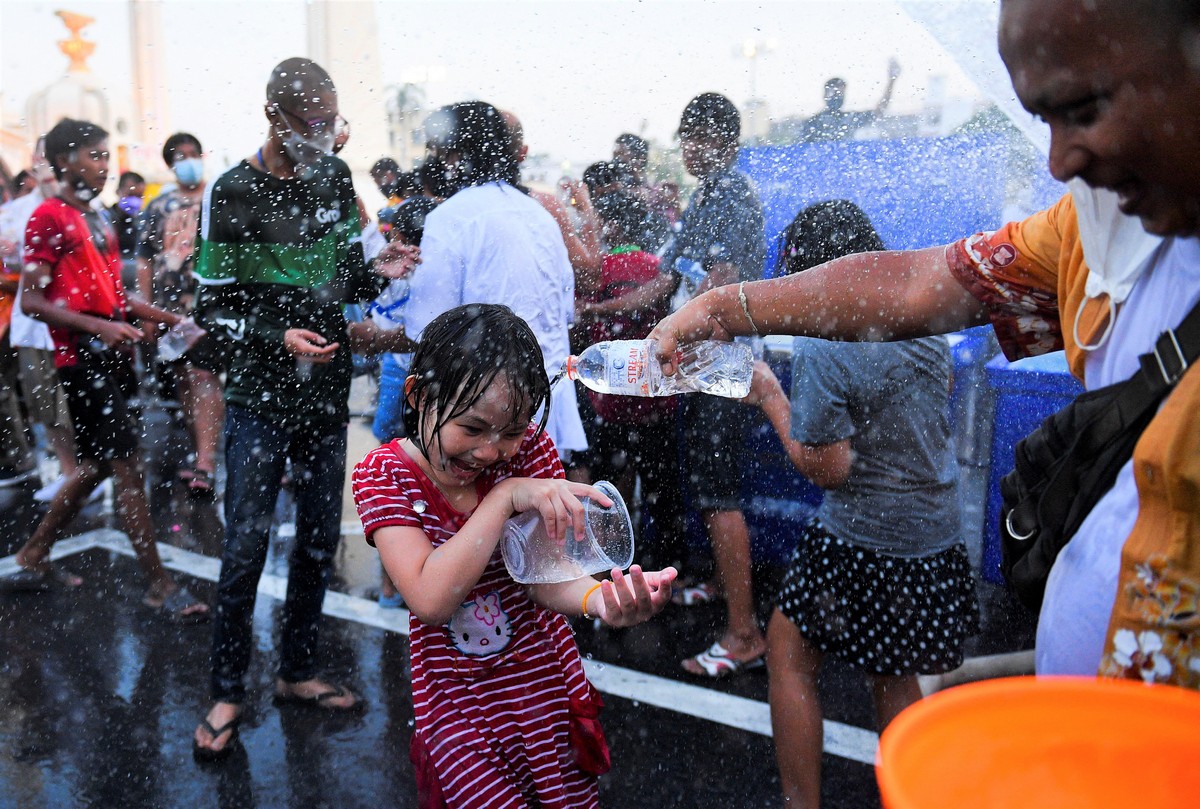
x: 389, y: 423
x: 256, y: 450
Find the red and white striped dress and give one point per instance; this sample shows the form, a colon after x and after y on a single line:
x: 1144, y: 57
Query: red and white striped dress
x: 494, y: 690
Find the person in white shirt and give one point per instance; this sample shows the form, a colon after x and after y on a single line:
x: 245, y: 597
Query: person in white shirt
x: 36, y: 378
x: 489, y: 242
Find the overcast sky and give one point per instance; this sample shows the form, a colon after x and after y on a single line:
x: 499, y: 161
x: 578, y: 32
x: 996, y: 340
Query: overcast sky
x: 578, y: 72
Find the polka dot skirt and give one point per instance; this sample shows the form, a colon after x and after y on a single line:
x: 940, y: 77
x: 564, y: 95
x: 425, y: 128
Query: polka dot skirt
x: 882, y: 614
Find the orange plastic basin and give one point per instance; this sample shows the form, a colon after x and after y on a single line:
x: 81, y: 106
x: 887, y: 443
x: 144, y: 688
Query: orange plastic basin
x: 1052, y: 742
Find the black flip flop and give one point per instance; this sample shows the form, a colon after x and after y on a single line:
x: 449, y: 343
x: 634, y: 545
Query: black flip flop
x: 202, y: 484
x: 173, y: 607
x: 26, y: 580
x: 206, y: 754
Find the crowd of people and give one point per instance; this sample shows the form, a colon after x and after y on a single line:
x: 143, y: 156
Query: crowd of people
x: 475, y: 288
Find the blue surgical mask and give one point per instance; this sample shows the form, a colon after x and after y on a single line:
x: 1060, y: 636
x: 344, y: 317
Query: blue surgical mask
x: 189, y: 171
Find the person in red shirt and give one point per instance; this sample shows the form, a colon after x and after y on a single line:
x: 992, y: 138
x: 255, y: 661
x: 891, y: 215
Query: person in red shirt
x: 72, y: 282
x: 632, y: 436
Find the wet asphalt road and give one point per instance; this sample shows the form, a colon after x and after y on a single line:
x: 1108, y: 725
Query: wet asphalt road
x: 100, y: 696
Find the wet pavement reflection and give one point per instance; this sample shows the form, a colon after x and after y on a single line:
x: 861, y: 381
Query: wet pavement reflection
x: 100, y: 695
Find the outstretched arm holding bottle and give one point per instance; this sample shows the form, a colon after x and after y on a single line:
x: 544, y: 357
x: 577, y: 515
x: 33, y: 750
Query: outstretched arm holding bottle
x: 862, y: 297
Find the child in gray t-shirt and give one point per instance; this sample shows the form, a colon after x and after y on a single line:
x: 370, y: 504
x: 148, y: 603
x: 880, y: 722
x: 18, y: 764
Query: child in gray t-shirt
x: 880, y: 577
x: 891, y: 402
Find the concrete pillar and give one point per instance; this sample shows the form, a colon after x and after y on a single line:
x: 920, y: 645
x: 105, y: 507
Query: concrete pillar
x: 343, y: 38
x: 151, y: 123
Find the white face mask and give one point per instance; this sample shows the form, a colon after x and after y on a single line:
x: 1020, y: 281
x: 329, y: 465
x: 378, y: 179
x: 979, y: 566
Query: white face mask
x: 1115, y: 246
x: 83, y: 191
x: 305, y: 152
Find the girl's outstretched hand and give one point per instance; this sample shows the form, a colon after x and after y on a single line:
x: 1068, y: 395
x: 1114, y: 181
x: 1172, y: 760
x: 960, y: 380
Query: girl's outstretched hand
x: 631, y: 599
x: 556, y: 500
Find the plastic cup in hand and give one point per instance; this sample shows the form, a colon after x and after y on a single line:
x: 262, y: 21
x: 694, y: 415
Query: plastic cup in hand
x: 534, y: 557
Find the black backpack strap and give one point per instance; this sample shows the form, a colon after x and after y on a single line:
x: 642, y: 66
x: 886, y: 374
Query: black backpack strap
x: 1161, y: 368
x: 1065, y: 467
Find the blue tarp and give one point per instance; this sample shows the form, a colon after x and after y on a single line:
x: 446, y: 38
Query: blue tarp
x: 918, y: 192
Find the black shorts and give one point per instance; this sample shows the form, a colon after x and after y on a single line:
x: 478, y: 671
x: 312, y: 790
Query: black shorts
x: 882, y: 614
x: 206, y: 355
x: 714, y: 434
x: 98, y: 389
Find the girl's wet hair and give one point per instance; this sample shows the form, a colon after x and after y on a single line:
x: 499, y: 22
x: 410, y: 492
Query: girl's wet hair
x: 826, y: 231
x: 461, y: 353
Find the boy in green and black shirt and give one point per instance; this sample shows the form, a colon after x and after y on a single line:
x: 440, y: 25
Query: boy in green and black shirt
x: 278, y: 257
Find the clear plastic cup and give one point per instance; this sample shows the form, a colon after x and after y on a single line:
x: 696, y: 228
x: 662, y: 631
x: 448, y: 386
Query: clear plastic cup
x: 534, y: 557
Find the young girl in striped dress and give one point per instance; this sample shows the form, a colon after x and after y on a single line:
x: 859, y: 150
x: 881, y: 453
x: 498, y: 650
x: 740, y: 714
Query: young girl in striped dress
x: 505, y: 716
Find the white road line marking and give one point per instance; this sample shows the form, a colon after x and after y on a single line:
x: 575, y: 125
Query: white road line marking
x: 753, y: 716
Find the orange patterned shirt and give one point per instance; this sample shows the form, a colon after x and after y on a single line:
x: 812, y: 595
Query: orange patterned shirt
x: 1032, y: 274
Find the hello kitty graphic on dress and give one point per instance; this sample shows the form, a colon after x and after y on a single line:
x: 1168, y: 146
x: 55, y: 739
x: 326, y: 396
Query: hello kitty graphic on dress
x: 480, y: 627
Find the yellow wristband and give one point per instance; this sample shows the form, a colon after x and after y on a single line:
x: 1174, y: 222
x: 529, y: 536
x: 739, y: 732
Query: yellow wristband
x: 586, y: 596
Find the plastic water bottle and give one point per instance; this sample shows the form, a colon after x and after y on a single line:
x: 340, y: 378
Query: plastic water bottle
x: 179, y: 339
x: 629, y: 367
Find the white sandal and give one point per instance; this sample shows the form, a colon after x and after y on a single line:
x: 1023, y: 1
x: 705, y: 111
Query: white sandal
x: 717, y: 663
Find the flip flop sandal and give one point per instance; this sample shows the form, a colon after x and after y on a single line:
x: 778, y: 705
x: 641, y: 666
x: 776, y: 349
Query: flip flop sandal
x: 65, y: 578
x: 208, y: 754
x: 26, y: 580
x: 320, y: 700
x: 201, y: 483
x: 694, y: 594
x: 175, y: 604
x: 715, y: 663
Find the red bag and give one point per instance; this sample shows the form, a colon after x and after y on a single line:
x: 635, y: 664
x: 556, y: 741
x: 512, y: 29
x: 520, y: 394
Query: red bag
x: 587, y: 737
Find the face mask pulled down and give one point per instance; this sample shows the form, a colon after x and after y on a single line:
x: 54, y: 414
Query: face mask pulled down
x: 83, y: 190
x: 1116, y: 247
